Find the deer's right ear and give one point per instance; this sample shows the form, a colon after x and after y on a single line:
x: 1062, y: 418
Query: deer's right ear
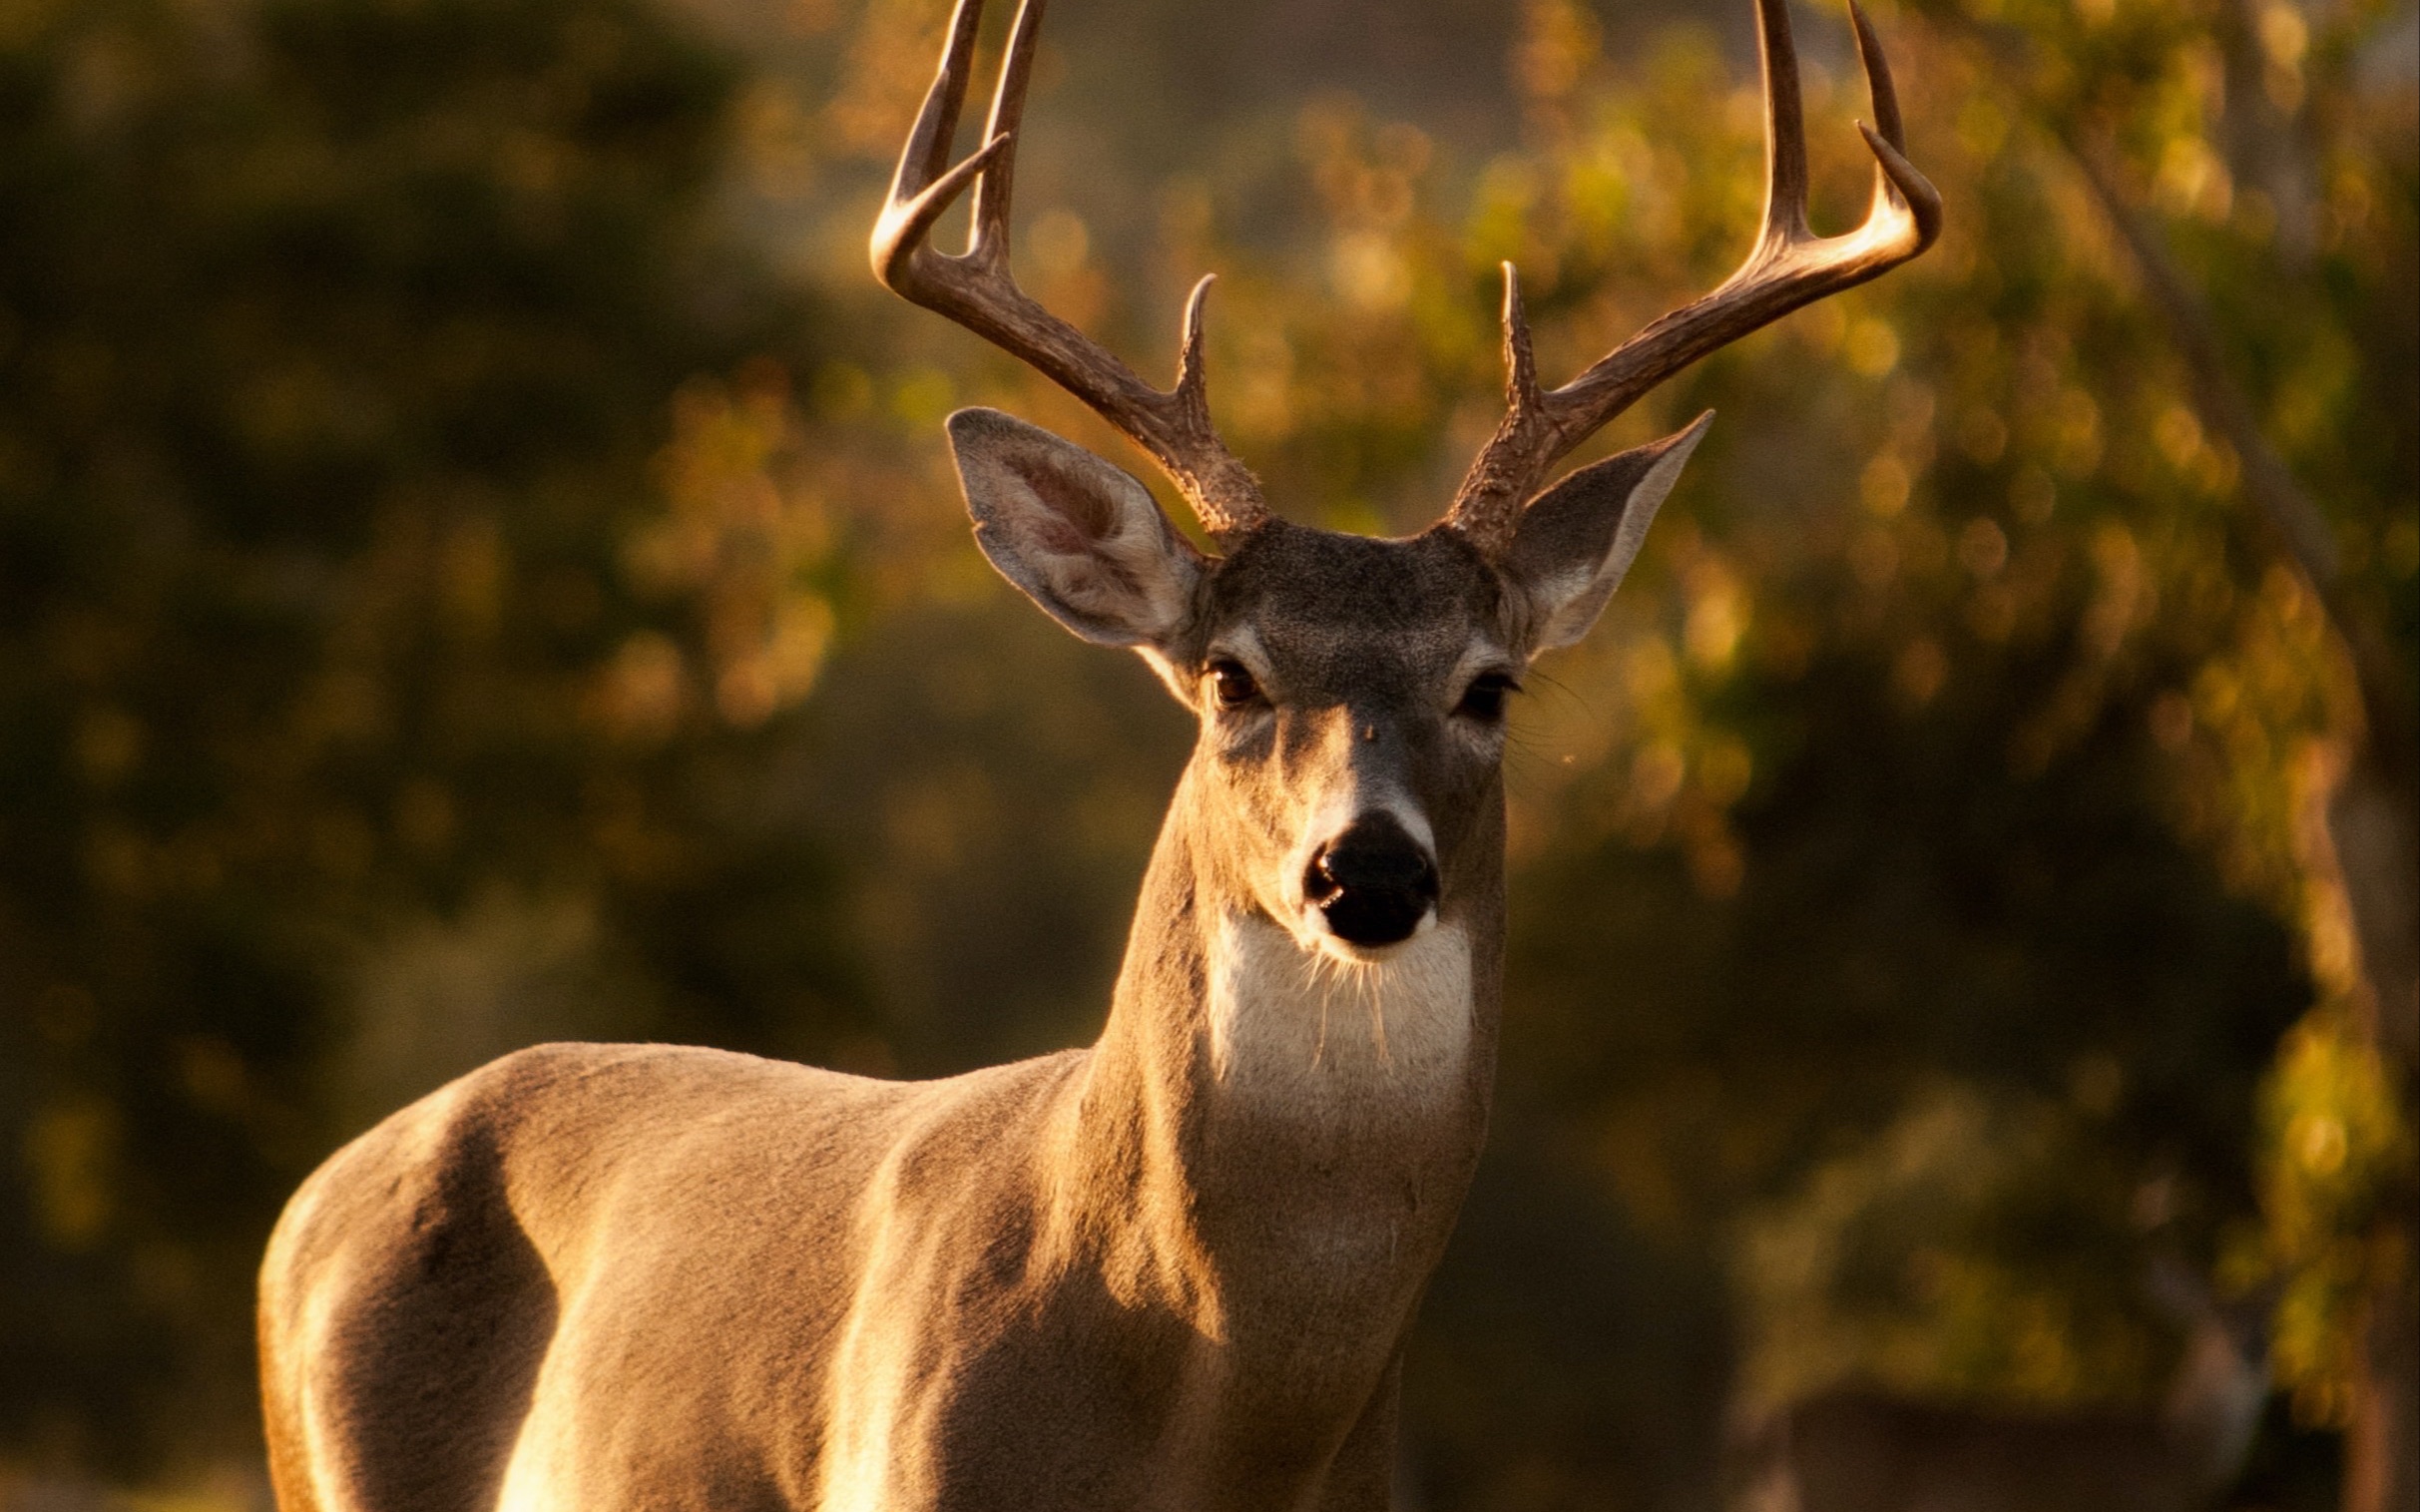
x: 1083, y: 539
x: 1574, y: 542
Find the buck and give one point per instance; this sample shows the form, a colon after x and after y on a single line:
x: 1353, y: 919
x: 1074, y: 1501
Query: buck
x: 1173, y: 1270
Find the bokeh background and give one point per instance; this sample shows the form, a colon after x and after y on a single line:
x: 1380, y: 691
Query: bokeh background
x: 479, y: 564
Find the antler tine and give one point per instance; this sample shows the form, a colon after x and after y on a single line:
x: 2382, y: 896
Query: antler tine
x: 1786, y: 179
x: 1788, y: 266
x: 1878, y: 86
x: 1520, y: 364
x: 926, y: 154
x: 1193, y: 376
x: 992, y: 193
x: 977, y: 289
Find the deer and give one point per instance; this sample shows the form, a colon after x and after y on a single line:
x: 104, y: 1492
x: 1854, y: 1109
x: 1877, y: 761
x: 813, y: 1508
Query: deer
x: 1864, y: 1449
x: 1173, y: 1270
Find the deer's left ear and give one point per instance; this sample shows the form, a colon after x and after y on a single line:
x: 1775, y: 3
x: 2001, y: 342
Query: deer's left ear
x: 1574, y: 542
x: 1083, y: 539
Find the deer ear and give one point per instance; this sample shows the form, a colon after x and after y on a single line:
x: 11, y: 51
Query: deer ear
x: 1080, y: 535
x: 1576, y: 540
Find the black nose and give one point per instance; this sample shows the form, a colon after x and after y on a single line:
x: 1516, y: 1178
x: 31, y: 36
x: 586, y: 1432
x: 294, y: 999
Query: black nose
x: 1373, y: 883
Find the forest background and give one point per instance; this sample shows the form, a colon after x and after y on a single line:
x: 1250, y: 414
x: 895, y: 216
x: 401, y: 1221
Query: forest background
x: 479, y: 563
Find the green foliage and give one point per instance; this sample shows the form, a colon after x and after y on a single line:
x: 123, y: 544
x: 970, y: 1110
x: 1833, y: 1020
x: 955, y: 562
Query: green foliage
x: 2339, y: 1164
x: 336, y: 337
x: 1969, y: 1249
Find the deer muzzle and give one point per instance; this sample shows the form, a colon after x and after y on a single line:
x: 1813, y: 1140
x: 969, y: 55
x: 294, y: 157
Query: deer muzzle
x: 1373, y: 883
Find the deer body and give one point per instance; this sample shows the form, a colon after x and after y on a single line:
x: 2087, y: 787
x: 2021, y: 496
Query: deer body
x: 1173, y: 1270
x: 973, y: 1292
x: 1864, y: 1450
x: 1858, y: 1452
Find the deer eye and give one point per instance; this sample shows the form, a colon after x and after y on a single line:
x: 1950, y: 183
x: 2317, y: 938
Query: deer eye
x: 1484, y: 699
x: 1233, y: 684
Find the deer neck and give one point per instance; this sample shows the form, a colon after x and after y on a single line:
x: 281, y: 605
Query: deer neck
x: 1278, y: 1137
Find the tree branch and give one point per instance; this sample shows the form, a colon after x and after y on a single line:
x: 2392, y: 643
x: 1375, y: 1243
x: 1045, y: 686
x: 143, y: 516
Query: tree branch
x: 2294, y: 516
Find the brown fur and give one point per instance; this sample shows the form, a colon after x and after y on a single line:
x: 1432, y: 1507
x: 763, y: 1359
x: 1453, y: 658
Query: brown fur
x: 1171, y: 1271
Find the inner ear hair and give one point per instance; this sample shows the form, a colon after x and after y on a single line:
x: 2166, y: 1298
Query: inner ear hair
x: 1574, y: 543
x: 1081, y: 536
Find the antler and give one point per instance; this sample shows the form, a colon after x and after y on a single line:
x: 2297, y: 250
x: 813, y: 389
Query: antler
x: 1788, y: 266
x: 976, y: 289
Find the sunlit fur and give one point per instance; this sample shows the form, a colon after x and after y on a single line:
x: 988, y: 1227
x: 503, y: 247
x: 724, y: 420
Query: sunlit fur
x: 1327, y: 1037
x: 1172, y: 1271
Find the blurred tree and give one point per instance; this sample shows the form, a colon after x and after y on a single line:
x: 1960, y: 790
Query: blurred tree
x: 379, y: 687
x: 2344, y: 1228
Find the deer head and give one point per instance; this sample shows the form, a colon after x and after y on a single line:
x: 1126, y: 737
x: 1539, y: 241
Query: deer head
x: 1351, y: 691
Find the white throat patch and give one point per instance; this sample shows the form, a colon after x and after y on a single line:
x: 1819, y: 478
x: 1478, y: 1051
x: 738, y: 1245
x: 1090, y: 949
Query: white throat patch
x: 1307, y: 1031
